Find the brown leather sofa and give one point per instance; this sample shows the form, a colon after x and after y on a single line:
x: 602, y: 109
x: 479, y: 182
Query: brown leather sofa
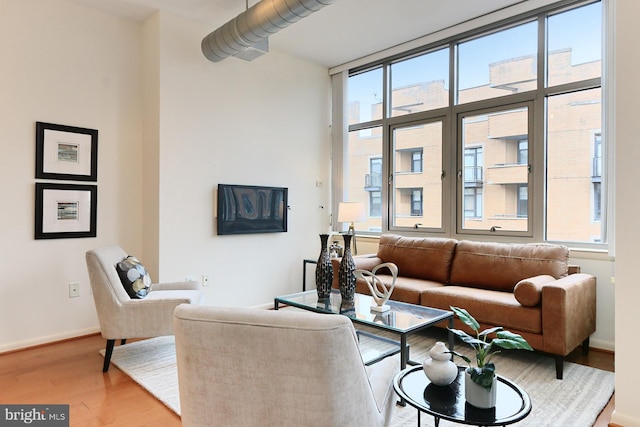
x: 525, y: 288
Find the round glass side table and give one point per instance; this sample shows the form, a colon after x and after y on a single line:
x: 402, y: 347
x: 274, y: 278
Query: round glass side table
x: 448, y: 402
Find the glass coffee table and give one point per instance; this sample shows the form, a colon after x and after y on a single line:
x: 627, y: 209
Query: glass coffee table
x: 448, y: 402
x: 402, y: 319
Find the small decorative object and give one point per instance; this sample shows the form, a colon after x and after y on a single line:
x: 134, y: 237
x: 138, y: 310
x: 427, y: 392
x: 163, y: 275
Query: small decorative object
x: 324, y: 270
x: 348, y: 308
x: 439, y: 368
x: 346, y: 276
x: 379, y: 291
x: 480, y: 382
x: 335, y: 251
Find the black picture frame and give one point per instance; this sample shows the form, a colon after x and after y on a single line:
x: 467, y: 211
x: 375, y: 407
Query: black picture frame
x: 66, y: 152
x: 65, y: 211
x: 248, y: 209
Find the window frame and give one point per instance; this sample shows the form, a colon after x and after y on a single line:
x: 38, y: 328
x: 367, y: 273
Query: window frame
x: 453, y: 199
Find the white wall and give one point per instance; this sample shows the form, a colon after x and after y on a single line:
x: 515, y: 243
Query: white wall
x: 627, y: 94
x: 162, y: 111
x: 64, y: 64
x: 264, y: 122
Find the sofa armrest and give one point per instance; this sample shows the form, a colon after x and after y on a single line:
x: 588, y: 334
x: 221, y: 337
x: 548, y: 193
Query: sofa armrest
x: 363, y: 262
x: 568, y: 312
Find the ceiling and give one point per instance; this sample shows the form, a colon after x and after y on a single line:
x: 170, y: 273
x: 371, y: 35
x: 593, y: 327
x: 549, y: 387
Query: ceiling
x: 341, y: 32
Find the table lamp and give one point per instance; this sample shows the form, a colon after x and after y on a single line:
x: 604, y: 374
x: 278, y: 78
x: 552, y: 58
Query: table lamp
x: 352, y: 212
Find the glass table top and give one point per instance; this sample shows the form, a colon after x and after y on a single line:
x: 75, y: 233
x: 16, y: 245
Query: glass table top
x: 402, y: 317
x: 448, y: 402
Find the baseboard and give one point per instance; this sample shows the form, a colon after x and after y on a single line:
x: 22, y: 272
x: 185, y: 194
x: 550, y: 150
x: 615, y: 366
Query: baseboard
x: 602, y: 345
x: 50, y: 339
x: 620, y: 420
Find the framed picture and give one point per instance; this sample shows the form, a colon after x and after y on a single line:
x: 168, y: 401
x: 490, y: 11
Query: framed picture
x: 66, y: 152
x: 65, y: 210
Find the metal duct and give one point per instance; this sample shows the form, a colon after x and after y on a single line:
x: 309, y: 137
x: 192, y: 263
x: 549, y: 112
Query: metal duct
x: 256, y: 24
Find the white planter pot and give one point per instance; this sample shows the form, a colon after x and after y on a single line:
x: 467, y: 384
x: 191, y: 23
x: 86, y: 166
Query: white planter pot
x: 479, y: 396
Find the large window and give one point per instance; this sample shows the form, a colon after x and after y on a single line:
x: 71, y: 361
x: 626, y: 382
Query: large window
x: 513, y: 146
x: 494, y: 164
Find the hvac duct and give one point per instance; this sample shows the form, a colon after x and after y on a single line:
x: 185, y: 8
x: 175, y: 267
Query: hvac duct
x: 246, y: 31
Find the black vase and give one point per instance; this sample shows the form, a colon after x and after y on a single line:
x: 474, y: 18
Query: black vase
x: 346, y: 277
x: 324, y: 270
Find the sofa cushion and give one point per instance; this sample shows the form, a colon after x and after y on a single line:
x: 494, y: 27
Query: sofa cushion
x: 528, y: 292
x: 499, y: 266
x: 134, y: 277
x: 407, y: 289
x: 420, y: 258
x: 492, y: 308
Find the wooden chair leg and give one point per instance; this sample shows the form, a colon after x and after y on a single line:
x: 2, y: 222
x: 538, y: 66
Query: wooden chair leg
x: 107, y: 355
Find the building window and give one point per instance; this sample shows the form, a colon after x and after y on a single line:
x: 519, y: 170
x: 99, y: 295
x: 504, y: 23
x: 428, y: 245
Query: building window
x: 523, y: 152
x: 523, y: 201
x: 503, y: 139
x: 416, y: 161
x: 473, y: 202
x: 373, y: 180
x: 472, y: 166
x: 375, y: 204
x: 597, y: 201
x: 416, y: 202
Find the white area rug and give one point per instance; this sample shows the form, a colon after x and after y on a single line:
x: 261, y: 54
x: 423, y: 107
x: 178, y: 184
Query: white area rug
x: 574, y: 401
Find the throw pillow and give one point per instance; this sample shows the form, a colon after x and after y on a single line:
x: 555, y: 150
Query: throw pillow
x: 529, y: 291
x: 134, y: 277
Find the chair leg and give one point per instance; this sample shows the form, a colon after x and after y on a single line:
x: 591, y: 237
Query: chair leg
x: 585, y: 347
x: 559, y: 366
x: 123, y: 341
x: 107, y: 355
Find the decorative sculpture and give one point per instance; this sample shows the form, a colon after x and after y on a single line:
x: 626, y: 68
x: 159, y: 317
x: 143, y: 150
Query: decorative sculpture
x: 379, y: 291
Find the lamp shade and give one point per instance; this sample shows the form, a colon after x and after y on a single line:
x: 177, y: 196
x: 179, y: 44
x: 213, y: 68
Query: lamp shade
x: 351, y: 212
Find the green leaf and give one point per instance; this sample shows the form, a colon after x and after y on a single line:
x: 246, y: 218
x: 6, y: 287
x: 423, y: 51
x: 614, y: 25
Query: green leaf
x: 509, y: 340
x: 460, y: 355
x: 486, y: 332
x: 466, y: 318
x: 483, y: 376
x: 468, y: 339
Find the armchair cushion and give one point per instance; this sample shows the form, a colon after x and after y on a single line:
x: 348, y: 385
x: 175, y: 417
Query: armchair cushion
x: 134, y: 277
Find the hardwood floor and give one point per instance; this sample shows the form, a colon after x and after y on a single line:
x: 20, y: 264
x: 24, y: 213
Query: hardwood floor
x: 70, y: 372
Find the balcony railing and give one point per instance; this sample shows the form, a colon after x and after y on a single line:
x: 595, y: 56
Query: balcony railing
x: 473, y: 174
x: 372, y: 182
x: 596, y: 167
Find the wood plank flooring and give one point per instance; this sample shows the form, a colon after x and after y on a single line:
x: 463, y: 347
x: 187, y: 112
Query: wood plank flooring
x: 70, y: 372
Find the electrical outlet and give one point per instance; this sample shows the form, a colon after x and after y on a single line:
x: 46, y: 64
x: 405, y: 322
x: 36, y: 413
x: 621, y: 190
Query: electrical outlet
x: 74, y: 290
x: 205, y: 280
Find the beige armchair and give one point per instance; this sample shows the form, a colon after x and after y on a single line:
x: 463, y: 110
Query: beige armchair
x: 248, y: 367
x: 122, y: 317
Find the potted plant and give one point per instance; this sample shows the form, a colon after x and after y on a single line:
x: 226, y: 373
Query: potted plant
x: 480, y: 381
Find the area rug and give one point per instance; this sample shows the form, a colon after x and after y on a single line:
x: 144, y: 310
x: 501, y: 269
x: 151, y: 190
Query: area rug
x: 574, y: 401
